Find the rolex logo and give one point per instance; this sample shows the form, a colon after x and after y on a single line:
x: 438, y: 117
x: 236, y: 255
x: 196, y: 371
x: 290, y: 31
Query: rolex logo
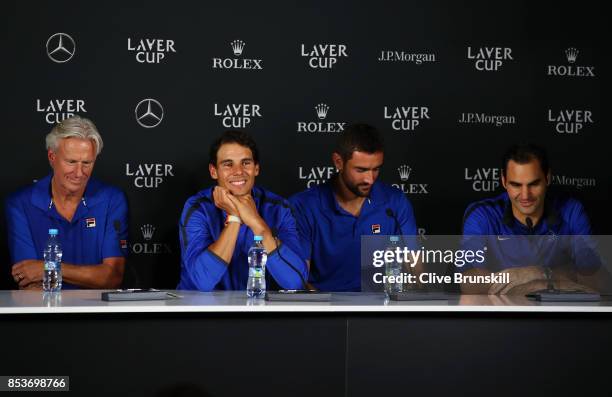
x: 237, y: 47
x: 404, y: 172
x: 147, y: 231
x: 322, y: 110
x: 571, y: 54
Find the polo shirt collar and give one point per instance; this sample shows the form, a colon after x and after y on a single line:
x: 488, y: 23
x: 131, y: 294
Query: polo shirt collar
x: 550, y: 215
x: 330, y: 203
x: 41, y: 193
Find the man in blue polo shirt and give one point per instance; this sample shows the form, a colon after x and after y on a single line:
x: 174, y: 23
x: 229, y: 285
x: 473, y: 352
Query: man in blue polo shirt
x: 91, y: 217
x: 218, y: 224
x: 539, y: 239
x: 332, y: 217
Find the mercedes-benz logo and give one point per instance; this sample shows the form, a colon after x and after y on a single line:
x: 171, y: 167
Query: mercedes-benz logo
x: 60, y: 47
x: 149, y: 113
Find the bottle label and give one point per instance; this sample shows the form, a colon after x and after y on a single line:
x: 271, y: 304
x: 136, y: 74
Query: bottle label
x: 255, y: 272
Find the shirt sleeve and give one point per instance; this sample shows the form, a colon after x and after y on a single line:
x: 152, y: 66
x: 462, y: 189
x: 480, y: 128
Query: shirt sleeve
x: 20, y: 241
x: 201, y: 269
x: 116, y: 233
x: 474, y: 236
x: 285, y: 264
x: 304, y: 229
x: 407, y: 222
x: 584, y: 248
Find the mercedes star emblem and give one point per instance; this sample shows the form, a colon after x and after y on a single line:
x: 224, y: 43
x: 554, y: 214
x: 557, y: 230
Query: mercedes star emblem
x: 60, y: 47
x: 149, y: 113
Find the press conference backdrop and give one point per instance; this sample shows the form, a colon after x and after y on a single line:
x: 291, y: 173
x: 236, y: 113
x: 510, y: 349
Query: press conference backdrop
x: 451, y: 84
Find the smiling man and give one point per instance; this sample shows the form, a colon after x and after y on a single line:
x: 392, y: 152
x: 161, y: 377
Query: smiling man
x: 218, y: 224
x: 333, y: 216
x: 91, y: 217
x: 528, y: 209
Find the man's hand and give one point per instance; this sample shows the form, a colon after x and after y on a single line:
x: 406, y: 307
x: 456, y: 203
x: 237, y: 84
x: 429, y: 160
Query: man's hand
x: 221, y: 196
x: 28, y: 272
x: 518, y: 276
x: 248, y: 213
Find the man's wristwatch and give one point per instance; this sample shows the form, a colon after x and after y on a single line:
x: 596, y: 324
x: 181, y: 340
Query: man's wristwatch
x: 548, y: 277
x: 232, y: 218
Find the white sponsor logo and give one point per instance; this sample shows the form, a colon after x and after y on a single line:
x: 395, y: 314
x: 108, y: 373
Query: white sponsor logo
x: 316, y: 175
x: 150, y: 50
x: 570, y: 121
x: 483, y: 179
x: 56, y: 110
x: 323, y: 56
x: 237, y: 47
x: 406, y: 57
x: 149, y: 113
x: 148, y: 246
x: 577, y: 182
x: 237, y: 115
x: 148, y: 176
x: 489, y: 59
x: 571, y: 70
x: 60, y: 47
x: 406, y: 118
x: 320, y: 126
x: 405, y: 172
x: 481, y: 118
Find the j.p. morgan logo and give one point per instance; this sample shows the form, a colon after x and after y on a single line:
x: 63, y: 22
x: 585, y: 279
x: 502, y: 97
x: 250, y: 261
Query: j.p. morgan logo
x: 489, y: 59
x: 60, y: 47
x: 150, y: 50
x: 483, y: 179
x: 323, y: 56
x: 321, y: 125
x: 316, y: 175
x: 406, y: 118
x: 576, y: 182
x: 56, y: 110
x: 406, y: 57
x: 149, y: 245
x: 496, y: 120
x: 571, y: 70
x: 570, y: 121
x: 237, y: 115
x: 148, y: 175
x: 405, y: 172
x: 149, y: 113
x: 238, y: 47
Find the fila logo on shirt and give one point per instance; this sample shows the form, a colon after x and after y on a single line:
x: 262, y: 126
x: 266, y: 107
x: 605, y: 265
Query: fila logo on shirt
x: 376, y: 229
x: 151, y: 50
x: 405, y: 172
x: 323, y: 56
x: 571, y: 70
x: 57, y: 110
x: 237, y: 63
x: 237, y: 115
x: 90, y: 222
x: 489, y: 59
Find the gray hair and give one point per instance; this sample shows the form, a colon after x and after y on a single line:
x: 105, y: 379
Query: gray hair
x: 74, y: 127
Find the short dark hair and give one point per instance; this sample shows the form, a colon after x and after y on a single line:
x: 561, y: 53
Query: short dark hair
x: 525, y: 153
x: 233, y: 136
x: 358, y: 138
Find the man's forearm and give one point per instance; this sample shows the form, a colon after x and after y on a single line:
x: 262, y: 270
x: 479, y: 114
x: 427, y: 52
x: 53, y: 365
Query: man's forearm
x: 226, y: 243
x: 475, y: 288
x: 104, y: 275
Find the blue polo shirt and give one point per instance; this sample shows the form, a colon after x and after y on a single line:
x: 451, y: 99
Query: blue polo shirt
x: 561, y: 237
x: 201, y: 225
x: 331, y: 237
x: 98, y: 230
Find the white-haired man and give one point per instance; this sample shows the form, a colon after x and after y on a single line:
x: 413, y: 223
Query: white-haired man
x: 91, y: 217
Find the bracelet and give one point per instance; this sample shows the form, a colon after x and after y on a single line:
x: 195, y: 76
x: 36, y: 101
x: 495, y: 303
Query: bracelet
x: 232, y: 218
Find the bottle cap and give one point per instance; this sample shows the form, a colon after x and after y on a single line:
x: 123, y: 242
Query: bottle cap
x: 53, y: 232
x: 394, y: 238
x: 258, y: 238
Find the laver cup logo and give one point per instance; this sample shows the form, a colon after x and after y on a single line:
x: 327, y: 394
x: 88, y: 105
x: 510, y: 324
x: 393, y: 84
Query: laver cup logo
x: 323, y: 56
x: 406, y: 118
x: 150, y: 50
x: 148, y: 176
x: 571, y: 70
x: 237, y: 47
x: 56, y: 110
x: 316, y: 175
x: 237, y: 115
x: 489, y: 59
x: 321, y: 111
x: 60, y: 47
x: 149, y: 113
x: 570, y: 121
x: 483, y: 179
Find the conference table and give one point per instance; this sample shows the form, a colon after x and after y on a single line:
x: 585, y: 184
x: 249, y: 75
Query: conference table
x: 357, y: 344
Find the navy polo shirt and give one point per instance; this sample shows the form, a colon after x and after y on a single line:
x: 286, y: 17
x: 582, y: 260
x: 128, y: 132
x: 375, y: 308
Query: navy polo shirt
x: 561, y: 237
x: 330, y: 236
x: 98, y: 229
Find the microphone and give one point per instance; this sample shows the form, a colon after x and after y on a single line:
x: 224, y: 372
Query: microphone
x: 529, y: 223
x: 304, y: 284
x: 391, y: 214
x: 117, y: 225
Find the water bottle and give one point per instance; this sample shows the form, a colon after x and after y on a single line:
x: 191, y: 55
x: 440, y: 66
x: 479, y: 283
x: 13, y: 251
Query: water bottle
x: 393, y: 269
x: 256, y: 284
x: 52, y: 275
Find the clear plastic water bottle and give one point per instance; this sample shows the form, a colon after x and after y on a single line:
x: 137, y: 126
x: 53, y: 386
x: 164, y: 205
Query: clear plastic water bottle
x: 393, y: 269
x: 256, y: 284
x: 52, y: 274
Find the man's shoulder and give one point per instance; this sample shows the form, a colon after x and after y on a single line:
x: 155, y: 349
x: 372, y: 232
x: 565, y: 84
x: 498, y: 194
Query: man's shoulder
x: 270, y: 198
x: 203, y: 197
x: 309, y: 196
x: 390, y: 192
x: 492, y: 207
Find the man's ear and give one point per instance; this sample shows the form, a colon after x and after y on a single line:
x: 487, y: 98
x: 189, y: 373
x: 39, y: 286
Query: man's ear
x: 503, y: 180
x: 337, y: 160
x: 50, y: 156
x: 213, y: 171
